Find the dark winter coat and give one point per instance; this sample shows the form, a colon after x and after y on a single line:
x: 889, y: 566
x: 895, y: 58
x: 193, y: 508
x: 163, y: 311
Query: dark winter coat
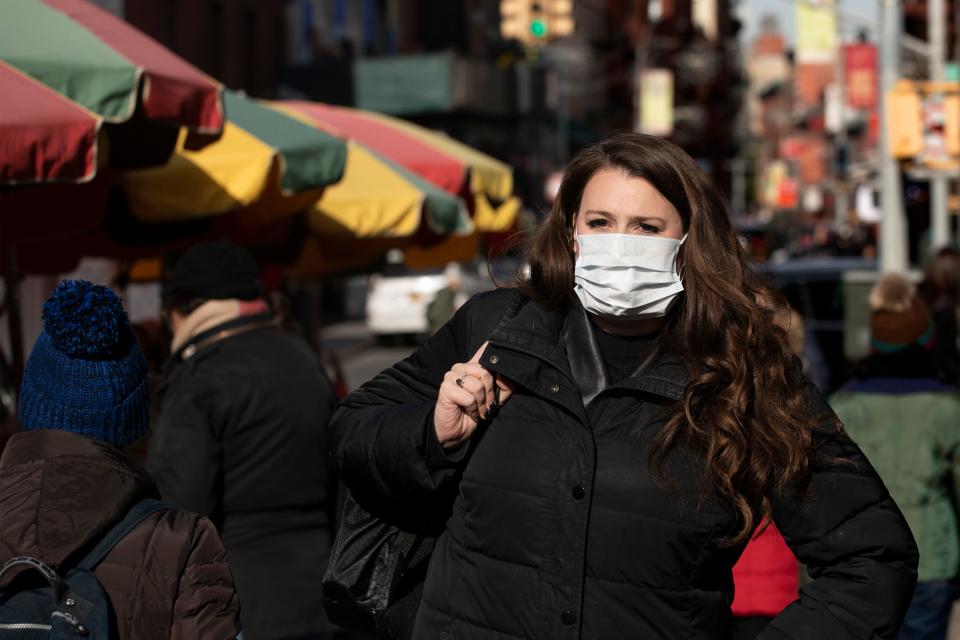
x: 559, y: 530
x: 241, y: 439
x: 168, y: 578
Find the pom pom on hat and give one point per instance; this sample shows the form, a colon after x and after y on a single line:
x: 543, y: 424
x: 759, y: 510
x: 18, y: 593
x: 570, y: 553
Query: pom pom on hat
x: 85, y: 320
x: 86, y: 373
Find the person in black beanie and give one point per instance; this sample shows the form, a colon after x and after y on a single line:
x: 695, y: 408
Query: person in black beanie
x: 65, y: 482
x: 240, y: 438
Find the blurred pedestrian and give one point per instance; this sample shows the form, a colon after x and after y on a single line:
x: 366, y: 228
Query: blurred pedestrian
x: 941, y: 291
x: 65, y: 483
x: 907, y: 421
x: 445, y: 303
x: 244, y: 408
x: 612, y: 432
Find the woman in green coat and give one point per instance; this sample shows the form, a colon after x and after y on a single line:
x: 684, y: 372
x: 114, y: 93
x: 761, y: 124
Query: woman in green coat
x: 907, y: 421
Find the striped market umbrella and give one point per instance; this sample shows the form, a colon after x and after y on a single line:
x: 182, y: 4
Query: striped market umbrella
x: 248, y: 184
x: 266, y: 164
x: 273, y: 163
x: 43, y: 136
x: 379, y: 199
x: 66, y: 68
x: 440, y: 160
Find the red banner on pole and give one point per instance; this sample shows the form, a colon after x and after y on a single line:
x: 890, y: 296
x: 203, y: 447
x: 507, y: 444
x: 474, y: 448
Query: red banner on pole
x: 860, y: 73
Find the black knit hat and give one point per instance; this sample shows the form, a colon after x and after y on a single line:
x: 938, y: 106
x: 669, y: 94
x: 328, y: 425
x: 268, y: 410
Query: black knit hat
x: 215, y: 271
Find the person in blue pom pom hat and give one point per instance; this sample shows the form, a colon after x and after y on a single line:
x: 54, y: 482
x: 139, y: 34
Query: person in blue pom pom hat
x: 64, y: 482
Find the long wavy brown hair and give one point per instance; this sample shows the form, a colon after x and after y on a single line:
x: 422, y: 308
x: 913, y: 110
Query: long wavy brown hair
x: 743, y: 409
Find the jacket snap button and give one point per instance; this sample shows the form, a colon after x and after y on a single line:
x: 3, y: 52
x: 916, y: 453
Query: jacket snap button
x: 70, y: 602
x: 579, y: 492
x: 494, y: 359
x: 568, y: 617
x: 554, y: 388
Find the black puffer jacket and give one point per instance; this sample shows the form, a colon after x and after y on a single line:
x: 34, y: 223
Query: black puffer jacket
x: 241, y: 438
x: 558, y: 528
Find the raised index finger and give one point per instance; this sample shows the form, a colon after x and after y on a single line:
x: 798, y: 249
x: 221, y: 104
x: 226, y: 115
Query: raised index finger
x: 476, y: 356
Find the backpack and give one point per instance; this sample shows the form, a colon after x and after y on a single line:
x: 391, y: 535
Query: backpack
x: 70, y: 606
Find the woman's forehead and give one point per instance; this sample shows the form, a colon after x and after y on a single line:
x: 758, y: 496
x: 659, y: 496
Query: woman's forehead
x: 615, y: 192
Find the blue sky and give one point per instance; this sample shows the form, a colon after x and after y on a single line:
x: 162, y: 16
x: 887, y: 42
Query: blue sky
x: 752, y: 11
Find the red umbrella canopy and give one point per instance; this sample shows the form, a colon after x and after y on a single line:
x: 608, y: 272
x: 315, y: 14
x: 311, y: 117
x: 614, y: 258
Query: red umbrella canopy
x: 105, y: 66
x: 30, y: 113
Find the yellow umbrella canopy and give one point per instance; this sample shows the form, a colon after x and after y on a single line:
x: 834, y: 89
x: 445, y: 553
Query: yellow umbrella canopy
x: 264, y: 162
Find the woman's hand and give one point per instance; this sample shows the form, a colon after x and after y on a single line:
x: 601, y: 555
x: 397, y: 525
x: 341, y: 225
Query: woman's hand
x: 466, y: 398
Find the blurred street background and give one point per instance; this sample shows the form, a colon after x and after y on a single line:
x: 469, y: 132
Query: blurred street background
x: 364, y: 145
x: 374, y: 153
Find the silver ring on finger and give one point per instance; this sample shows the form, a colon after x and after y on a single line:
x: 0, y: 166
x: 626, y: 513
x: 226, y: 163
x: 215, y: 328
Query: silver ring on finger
x: 459, y: 381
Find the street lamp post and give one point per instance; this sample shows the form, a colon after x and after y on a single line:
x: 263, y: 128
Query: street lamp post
x: 937, y: 36
x: 893, y: 224
x: 841, y: 207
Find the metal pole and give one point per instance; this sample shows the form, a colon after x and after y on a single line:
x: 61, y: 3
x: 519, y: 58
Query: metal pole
x: 563, y: 114
x: 841, y: 205
x: 893, y: 226
x: 956, y: 60
x: 937, y: 35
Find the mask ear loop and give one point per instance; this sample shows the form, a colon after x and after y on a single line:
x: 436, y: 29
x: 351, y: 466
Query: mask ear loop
x: 679, y: 269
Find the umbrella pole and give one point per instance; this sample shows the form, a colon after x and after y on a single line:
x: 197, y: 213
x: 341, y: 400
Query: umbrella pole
x: 11, y: 286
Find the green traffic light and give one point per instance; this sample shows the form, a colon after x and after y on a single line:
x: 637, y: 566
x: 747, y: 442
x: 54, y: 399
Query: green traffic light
x: 538, y: 28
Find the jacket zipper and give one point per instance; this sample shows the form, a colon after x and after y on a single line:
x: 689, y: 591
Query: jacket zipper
x: 25, y: 626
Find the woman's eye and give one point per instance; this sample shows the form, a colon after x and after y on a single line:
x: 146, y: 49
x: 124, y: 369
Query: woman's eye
x: 649, y: 228
x: 597, y: 224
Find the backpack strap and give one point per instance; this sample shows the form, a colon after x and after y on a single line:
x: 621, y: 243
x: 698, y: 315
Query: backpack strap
x: 137, y: 514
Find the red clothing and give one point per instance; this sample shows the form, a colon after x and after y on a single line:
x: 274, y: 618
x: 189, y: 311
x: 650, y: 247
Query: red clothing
x: 766, y: 577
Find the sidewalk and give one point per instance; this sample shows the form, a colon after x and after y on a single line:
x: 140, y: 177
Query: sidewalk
x: 346, y: 338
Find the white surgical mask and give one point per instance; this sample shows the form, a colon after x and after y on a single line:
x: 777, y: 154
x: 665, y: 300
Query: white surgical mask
x: 626, y: 275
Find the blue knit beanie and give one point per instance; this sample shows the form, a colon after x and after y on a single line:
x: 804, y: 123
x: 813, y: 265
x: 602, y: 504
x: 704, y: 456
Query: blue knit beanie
x: 86, y: 373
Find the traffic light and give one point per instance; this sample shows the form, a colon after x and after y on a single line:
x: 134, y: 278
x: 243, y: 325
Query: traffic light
x: 904, y: 120
x: 560, y: 17
x: 534, y: 22
x: 514, y: 19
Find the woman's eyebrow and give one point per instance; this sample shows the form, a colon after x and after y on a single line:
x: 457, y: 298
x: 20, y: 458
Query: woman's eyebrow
x: 600, y: 212
x: 613, y: 218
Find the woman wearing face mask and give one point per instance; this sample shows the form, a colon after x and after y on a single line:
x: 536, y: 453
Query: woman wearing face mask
x: 615, y: 428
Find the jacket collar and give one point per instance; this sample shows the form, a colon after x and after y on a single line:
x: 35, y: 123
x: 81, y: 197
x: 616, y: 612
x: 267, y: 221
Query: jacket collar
x: 217, y: 333
x: 565, y: 342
